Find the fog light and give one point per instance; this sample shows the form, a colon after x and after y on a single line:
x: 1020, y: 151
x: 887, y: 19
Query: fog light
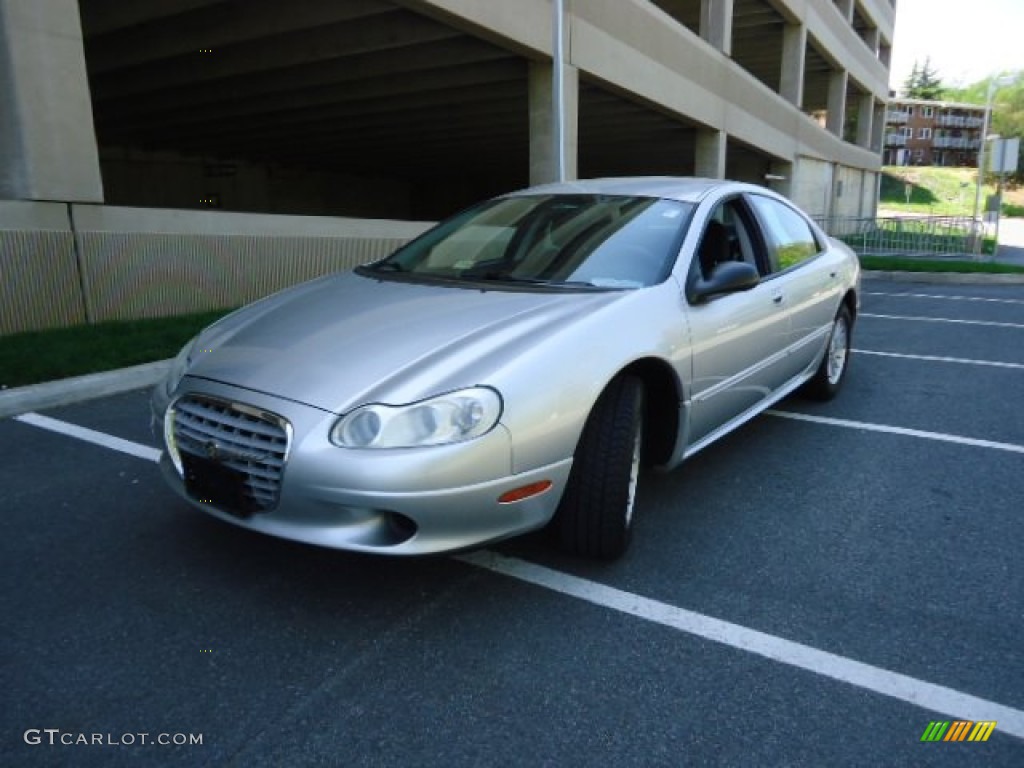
x: 524, y: 492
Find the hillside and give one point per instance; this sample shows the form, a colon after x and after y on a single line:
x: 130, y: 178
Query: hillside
x: 939, y: 191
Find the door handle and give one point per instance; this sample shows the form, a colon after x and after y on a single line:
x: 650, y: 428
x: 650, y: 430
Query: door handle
x: 776, y: 298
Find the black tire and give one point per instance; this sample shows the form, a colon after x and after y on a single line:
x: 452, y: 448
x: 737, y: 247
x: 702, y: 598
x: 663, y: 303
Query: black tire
x: 829, y: 378
x: 595, y: 516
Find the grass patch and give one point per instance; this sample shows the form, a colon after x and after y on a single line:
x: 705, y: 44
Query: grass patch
x: 938, y: 191
x: 29, y: 358
x: 900, y: 264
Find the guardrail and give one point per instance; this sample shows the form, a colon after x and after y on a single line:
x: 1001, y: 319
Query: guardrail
x: 907, y: 235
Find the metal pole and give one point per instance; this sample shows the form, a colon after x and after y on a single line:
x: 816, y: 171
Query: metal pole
x: 999, y: 194
x: 981, y: 167
x: 992, y: 85
x: 558, y: 92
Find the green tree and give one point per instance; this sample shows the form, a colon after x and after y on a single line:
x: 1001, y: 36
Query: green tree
x: 1007, y: 109
x: 924, y: 82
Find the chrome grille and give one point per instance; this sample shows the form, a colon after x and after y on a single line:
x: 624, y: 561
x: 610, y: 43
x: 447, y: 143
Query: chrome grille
x: 249, y: 441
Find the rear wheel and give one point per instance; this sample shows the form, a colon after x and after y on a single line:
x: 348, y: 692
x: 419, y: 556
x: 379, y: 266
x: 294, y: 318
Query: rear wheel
x: 829, y: 377
x: 595, y: 517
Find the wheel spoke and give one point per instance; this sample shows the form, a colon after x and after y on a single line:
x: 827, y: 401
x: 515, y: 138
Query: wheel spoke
x: 837, y: 351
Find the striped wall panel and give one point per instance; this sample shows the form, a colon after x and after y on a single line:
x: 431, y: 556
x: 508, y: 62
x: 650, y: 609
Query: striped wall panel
x: 39, y: 281
x: 132, y: 275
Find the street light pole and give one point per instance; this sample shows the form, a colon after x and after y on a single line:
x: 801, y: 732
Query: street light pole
x: 981, y: 166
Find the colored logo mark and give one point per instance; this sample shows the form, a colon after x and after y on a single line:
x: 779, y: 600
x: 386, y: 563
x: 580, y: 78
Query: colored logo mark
x: 958, y: 730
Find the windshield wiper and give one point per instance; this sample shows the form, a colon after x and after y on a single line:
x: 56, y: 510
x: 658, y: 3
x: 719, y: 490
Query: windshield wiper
x: 387, y: 266
x: 501, y: 277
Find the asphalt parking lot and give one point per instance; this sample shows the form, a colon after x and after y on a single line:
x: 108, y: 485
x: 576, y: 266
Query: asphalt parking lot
x: 814, y: 590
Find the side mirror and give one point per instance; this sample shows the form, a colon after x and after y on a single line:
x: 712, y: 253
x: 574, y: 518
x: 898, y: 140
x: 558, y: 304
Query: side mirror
x: 726, y: 277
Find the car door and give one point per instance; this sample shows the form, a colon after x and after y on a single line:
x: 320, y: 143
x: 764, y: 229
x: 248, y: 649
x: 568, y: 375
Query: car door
x: 738, y: 339
x: 807, y: 285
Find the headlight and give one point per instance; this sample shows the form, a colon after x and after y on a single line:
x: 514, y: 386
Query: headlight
x: 449, y: 418
x: 179, y: 366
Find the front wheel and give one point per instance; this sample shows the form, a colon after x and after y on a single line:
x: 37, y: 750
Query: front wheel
x: 595, y: 516
x: 829, y: 377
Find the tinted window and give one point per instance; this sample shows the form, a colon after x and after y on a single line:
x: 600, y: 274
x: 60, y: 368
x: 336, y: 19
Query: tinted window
x: 788, y: 236
x: 600, y: 241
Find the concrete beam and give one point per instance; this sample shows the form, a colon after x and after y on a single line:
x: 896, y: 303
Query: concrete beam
x: 292, y: 49
x: 47, y: 142
x: 217, y: 27
x: 102, y: 16
x: 339, y: 73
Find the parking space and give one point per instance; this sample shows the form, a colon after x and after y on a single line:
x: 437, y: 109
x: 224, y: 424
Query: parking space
x: 810, y: 591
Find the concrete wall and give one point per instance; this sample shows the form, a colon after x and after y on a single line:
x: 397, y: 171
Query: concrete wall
x: 87, y: 263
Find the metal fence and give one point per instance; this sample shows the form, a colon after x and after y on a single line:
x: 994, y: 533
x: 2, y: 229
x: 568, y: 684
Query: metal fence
x: 942, y: 236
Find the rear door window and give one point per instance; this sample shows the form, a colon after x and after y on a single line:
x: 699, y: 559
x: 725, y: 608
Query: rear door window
x: 788, y: 236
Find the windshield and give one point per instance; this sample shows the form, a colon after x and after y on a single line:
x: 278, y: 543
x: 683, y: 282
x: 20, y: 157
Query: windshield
x: 591, y: 241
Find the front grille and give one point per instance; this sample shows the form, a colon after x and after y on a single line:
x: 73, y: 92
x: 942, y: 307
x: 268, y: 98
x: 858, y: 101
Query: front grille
x: 234, y: 455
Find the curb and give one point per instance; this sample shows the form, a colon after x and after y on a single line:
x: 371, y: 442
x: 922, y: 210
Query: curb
x: 947, y: 278
x: 51, y: 394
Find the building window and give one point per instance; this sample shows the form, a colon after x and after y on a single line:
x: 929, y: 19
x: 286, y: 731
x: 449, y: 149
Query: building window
x: 907, y: 132
x: 928, y: 111
x: 924, y: 133
x: 910, y: 111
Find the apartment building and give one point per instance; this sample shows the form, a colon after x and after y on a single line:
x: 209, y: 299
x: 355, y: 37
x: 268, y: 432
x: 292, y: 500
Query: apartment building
x: 919, y: 132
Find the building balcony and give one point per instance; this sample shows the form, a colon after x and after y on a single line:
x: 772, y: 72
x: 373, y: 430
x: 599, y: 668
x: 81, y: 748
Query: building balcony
x: 893, y: 116
x: 895, y: 140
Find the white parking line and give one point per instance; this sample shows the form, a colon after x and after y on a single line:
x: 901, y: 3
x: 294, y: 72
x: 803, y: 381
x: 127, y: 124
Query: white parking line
x: 988, y: 323
x: 935, y: 359
x: 866, y: 426
x: 90, y: 436
x: 909, y: 689
x: 923, y: 694
x: 946, y: 298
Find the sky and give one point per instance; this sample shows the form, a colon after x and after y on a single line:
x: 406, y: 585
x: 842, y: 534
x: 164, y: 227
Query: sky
x: 967, y: 40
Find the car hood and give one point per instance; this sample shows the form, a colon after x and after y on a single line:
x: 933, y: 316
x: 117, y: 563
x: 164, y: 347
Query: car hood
x: 346, y: 340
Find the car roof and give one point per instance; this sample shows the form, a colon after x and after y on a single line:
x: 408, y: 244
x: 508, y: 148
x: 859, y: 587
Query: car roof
x: 685, y: 189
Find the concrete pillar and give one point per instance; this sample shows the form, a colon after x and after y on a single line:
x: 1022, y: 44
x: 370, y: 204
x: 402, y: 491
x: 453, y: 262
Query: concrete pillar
x: 543, y: 149
x: 794, y: 54
x: 47, y: 138
x: 865, y: 120
x: 710, y: 155
x: 837, y: 101
x: 716, y: 24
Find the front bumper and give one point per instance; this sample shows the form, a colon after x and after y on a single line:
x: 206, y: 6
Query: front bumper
x: 403, y: 502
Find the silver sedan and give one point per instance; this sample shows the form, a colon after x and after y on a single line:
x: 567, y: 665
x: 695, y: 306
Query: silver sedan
x: 512, y: 368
